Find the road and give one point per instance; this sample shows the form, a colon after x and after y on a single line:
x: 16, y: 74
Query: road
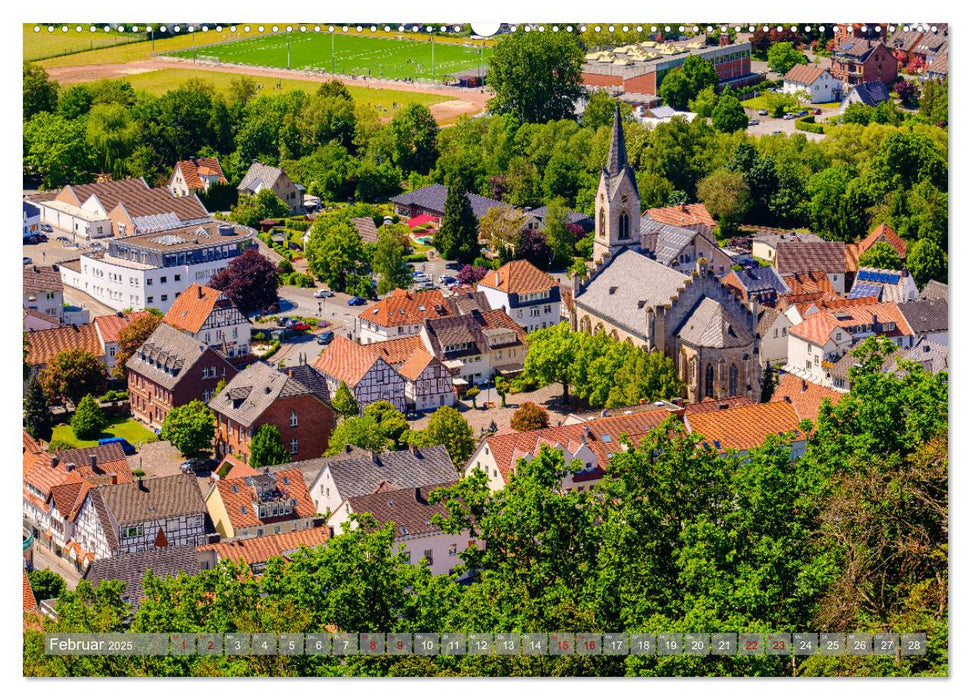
x: 46, y: 559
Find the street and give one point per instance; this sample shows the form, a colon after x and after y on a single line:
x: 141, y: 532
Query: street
x: 46, y: 559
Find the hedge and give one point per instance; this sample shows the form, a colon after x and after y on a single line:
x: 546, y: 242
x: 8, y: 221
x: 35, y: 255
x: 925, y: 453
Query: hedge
x: 416, y: 257
x: 808, y: 123
x: 274, y: 346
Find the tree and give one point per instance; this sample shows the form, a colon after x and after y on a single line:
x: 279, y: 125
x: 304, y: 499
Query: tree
x: 447, y: 427
x: 472, y: 394
x: 933, y: 101
x: 190, y: 428
x: 881, y: 255
x: 703, y: 104
x: 700, y: 72
x: 250, y: 210
x: 75, y: 102
x: 458, y: 236
x: 336, y: 254
x: 71, y: 375
x: 111, y: 133
x: 471, y: 275
x: 770, y: 379
x: 535, y: 76
x: 559, y: 237
x: 726, y: 196
x: 857, y: 113
x: 131, y: 338
x: 533, y: 247
x: 267, y: 448
x: 530, y: 416
x: 359, y: 431
x: 391, y: 422
x: 926, y: 261
x: 40, y: 93
x: 38, y: 419
x: 414, y: 134
x: 600, y: 110
x: 46, y: 584
x: 389, y: 259
x: 250, y: 281
x: 56, y: 151
x: 344, y: 402
x: 553, y: 356
x: 676, y: 90
x: 906, y: 91
x: 502, y: 226
x: 783, y: 56
x: 503, y: 387
x: 88, y: 420
x: 729, y: 115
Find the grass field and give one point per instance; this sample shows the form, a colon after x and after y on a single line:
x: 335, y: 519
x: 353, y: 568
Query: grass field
x: 129, y: 429
x: 160, y: 81
x: 348, y: 54
x: 46, y: 44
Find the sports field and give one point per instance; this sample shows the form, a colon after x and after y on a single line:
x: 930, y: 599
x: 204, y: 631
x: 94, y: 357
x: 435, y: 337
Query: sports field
x: 345, y: 54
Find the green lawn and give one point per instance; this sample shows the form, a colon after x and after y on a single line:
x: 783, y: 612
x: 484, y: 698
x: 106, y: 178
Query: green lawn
x: 129, y: 429
x: 161, y: 81
x: 48, y: 44
x: 349, y: 54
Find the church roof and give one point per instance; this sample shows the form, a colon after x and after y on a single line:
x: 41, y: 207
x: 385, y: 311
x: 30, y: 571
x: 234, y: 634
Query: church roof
x: 710, y: 326
x: 671, y: 240
x: 618, y: 169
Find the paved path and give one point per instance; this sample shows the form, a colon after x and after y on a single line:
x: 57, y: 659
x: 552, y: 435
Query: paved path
x: 46, y: 559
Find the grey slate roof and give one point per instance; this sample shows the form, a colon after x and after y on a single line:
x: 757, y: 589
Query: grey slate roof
x: 167, y: 356
x: 925, y: 315
x: 312, y: 379
x: 432, y: 198
x: 872, y: 93
x: 630, y: 284
x: 710, y: 326
x: 403, y: 469
x: 572, y: 217
x: 154, y: 499
x: 474, y: 329
x: 131, y: 568
x: 259, y: 174
x: 366, y: 228
x: 671, y: 240
x: 934, y: 290
x: 30, y: 209
x: 761, y: 279
x: 828, y: 256
x: 311, y: 468
x: 408, y: 508
x: 467, y: 302
x: 252, y: 391
x: 931, y: 356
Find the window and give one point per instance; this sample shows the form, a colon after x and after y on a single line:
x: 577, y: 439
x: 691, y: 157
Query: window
x: 293, y: 419
x: 178, y: 277
x: 710, y: 382
x: 428, y: 557
x: 733, y: 381
x: 150, y: 299
x: 624, y: 226
x: 165, y: 297
x: 133, y: 531
x: 163, y: 280
x: 294, y: 446
x: 148, y: 281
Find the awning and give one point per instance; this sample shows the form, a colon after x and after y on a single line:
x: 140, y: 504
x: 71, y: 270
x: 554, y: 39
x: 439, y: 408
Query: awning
x: 422, y: 220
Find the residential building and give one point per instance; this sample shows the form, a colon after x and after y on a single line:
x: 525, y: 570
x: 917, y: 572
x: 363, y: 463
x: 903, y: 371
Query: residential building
x: 857, y: 61
x: 210, y: 317
x: 815, y: 81
x: 31, y: 218
x: 806, y: 397
x: 592, y: 443
x: 576, y: 218
x: 355, y: 474
x: 44, y: 290
x: 772, y: 333
x: 364, y: 225
x: 142, y: 515
x: 765, y: 243
x: 119, y: 208
x: 411, y: 514
x: 265, y: 504
x: 265, y: 177
x: 476, y: 346
x: 167, y: 562
x: 400, y: 314
x: 428, y: 384
x: 802, y: 257
x: 169, y: 370
x: 255, y: 552
x: 152, y: 270
x: 109, y: 330
x: 681, y: 248
x: 934, y: 290
x: 761, y: 284
x: 884, y: 234
x: 366, y: 374
x: 529, y: 296
x: 690, y: 216
x: 261, y: 394
x: 744, y: 428
x: 931, y: 356
x: 927, y: 318
x: 196, y: 175
x: 640, y: 68
x: 44, y: 345
x: 430, y: 201
x: 34, y: 320
x: 885, y: 285
x: 869, y: 94
x: 937, y: 69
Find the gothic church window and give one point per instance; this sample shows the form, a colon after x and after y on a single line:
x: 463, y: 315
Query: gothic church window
x: 710, y: 382
x: 733, y: 381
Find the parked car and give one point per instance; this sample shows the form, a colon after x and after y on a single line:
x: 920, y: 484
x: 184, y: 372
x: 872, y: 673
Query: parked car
x: 126, y: 446
x: 41, y: 237
x: 802, y: 113
x: 323, y: 294
x: 196, y: 465
x: 789, y: 116
x: 31, y: 240
x: 28, y: 261
x: 63, y: 239
x: 753, y: 122
x: 325, y: 338
x: 46, y: 228
x: 763, y: 112
x: 284, y: 321
x: 447, y: 280
x: 356, y: 301
x: 300, y: 326
x: 817, y: 111
x: 776, y: 132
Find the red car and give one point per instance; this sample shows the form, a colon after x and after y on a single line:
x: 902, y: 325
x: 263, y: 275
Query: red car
x: 817, y: 111
x: 300, y: 326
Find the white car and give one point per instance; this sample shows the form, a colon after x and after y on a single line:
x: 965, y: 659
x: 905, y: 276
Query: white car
x: 323, y: 294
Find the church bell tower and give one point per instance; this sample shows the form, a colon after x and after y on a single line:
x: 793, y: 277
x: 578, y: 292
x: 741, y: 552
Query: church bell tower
x: 618, y: 207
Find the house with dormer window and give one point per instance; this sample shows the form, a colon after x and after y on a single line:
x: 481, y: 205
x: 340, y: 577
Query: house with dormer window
x: 530, y: 296
x: 263, y: 504
x: 210, y: 317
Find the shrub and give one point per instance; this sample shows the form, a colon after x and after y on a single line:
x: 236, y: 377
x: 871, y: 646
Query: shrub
x: 416, y: 257
x: 530, y: 416
x: 88, y: 420
x: 808, y: 123
x: 274, y: 346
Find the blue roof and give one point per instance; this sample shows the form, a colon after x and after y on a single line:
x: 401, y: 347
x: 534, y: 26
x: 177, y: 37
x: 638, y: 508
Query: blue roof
x: 865, y: 290
x: 31, y: 209
x: 872, y: 93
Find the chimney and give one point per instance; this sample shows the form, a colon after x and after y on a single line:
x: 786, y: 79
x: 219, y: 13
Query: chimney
x: 418, y: 498
x: 141, y: 484
x: 497, y: 276
x: 804, y: 386
x: 723, y: 407
x: 876, y: 324
x: 684, y: 208
x: 112, y: 478
x: 375, y: 458
x: 54, y: 461
x: 70, y: 467
x: 94, y: 462
x: 414, y: 450
x: 199, y: 290
x: 787, y: 399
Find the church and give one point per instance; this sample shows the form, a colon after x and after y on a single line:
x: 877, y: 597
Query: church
x: 692, y: 318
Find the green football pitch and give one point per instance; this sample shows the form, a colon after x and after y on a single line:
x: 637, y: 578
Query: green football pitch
x: 376, y: 57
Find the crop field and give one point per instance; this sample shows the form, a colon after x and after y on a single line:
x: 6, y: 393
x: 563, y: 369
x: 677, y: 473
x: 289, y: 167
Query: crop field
x: 376, y: 57
x: 48, y: 44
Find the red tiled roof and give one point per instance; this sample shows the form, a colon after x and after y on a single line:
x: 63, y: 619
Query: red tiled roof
x: 819, y: 326
x: 238, y: 469
x: 404, y: 308
x: 190, y: 311
x: 237, y: 497
x: 346, y: 361
x: 38, y: 280
x: 509, y: 447
x: 685, y: 215
x: 851, y: 254
x: 397, y: 351
x: 30, y: 603
x: 745, y: 427
x: 416, y: 364
x: 45, y: 345
x: 804, y: 74
x: 886, y: 234
x: 710, y: 405
x: 806, y: 397
x: 258, y: 550
x: 518, y: 277
x: 110, y: 327
x: 31, y: 444
x: 191, y: 169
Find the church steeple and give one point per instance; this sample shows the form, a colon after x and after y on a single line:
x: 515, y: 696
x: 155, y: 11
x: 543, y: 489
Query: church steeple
x: 617, y: 158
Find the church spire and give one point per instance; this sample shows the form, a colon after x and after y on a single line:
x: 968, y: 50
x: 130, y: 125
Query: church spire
x: 617, y: 159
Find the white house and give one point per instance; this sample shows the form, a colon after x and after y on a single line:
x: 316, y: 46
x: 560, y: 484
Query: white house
x: 528, y: 295
x: 195, y: 175
x: 369, y: 377
x: 400, y: 315
x: 476, y: 346
x: 44, y: 291
x: 31, y: 218
x: 211, y: 318
x: 153, y: 269
x: 817, y: 82
x: 773, y: 331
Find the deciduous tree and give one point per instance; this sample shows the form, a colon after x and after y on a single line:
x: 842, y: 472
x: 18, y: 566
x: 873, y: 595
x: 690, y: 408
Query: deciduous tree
x: 88, y: 420
x: 266, y: 447
x: 783, y: 56
x: 530, y: 416
x: 447, y: 427
x: 344, y: 402
x: 250, y: 281
x: 72, y: 374
x: 881, y: 255
x: 130, y: 338
x: 190, y: 428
